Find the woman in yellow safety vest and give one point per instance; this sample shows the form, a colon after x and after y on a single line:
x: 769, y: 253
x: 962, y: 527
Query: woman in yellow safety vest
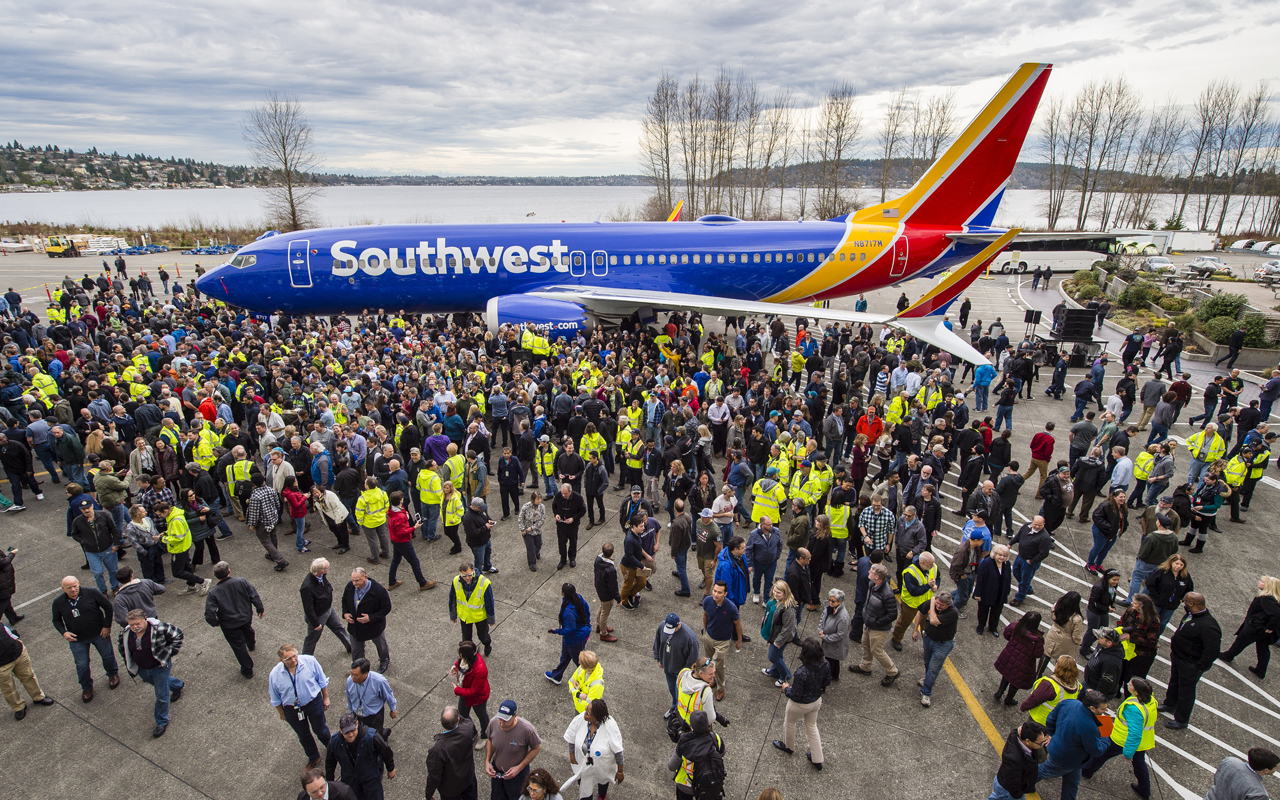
x: 371, y: 516
x: 1142, y: 465
x: 451, y: 509
x: 592, y: 442
x: 177, y: 540
x: 587, y: 682
x: 1050, y: 690
x: 1132, y: 734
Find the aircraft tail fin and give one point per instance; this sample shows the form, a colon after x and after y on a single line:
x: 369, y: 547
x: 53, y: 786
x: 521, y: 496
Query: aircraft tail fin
x: 675, y: 212
x: 964, y: 184
x: 945, y: 291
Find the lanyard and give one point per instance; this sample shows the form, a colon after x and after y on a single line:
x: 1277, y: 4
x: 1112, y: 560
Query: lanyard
x: 293, y: 678
x: 357, y: 690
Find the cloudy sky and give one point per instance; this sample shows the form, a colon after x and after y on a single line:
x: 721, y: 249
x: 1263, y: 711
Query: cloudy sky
x: 557, y: 88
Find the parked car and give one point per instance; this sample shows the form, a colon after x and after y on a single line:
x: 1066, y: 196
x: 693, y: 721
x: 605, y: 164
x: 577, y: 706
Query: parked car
x: 1267, y: 269
x: 1158, y: 264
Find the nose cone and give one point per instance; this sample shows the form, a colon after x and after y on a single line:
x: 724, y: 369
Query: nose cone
x: 212, y: 284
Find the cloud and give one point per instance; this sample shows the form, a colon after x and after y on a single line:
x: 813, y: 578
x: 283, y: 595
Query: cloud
x: 527, y: 88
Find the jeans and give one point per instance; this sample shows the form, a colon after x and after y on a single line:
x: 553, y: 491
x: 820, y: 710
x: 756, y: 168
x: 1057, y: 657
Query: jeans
x: 1070, y: 777
x: 16, y: 480
x: 1101, y: 546
x: 45, y: 454
x: 151, y: 562
x: 778, y: 660
x: 671, y: 686
x: 1023, y: 571
x: 548, y: 485
x: 405, y: 551
x: 1140, y: 572
x: 765, y: 571
x: 105, y: 561
x: 1081, y: 404
x: 80, y: 652
x: 304, y: 720
x: 481, y: 556
x: 1196, y: 470
x: 74, y: 473
x: 430, y: 518
x: 164, y: 684
x: 568, y: 652
x: 299, y: 533
x: 1154, y: 490
x: 839, y: 548
x: 960, y: 594
x: 980, y: 395
x: 682, y: 559
x: 935, y: 654
x: 1166, y: 614
x: 1004, y: 413
x: 998, y: 792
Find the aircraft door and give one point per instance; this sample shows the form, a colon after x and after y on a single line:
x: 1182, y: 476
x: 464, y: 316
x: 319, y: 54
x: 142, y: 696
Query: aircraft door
x: 899, y: 257
x: 300, y: 264
x: 599, y: 263
x: 578, y: 264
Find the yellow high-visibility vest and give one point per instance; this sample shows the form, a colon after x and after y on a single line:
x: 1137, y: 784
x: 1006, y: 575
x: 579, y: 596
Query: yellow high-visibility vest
x: 1142, y: 465
x: 839, y: 517
x: 453, y: 509
x: 1120, y: 727
x: 430, y: 487
x: 767, y: 502
x: 470, y: 608
x: 547, y: 461
x: 1041, y: 712
x: 923, y: 580
x: 371, y: 508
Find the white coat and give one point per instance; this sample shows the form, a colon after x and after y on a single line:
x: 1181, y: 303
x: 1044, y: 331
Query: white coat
x: 607, y: 743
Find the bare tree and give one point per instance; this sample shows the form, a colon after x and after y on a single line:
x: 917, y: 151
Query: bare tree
x: 1245, y: 138
x: 1105, y: 114
x: 896, y: 116
x: 1058, y: 147
x: 940, y: 123
x: 749, y: 114
x: 1156, y: 151
x: 839, y: 126
x: 692, y: 127
x: 1210, y: 108
x: 657, y: 139
x: 280, y: 140
x: 779, y: 137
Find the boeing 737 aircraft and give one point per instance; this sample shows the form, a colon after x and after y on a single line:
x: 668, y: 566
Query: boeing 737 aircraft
x: 564, y: 277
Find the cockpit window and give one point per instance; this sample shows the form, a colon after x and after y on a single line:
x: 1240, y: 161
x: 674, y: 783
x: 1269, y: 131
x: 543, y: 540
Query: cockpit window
x: 240, y: 262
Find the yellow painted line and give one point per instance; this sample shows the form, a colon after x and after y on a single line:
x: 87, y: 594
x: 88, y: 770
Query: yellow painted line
x: 979, y: 714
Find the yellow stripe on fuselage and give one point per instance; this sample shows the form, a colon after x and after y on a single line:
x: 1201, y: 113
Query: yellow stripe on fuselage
x: 861, y: 246
x: 958, y: 273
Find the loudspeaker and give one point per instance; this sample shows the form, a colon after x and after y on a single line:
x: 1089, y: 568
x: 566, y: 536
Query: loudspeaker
x: 1078, y: 325
x: 1031, y: 317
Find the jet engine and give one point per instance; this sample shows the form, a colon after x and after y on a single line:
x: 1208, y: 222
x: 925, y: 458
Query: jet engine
x: 555, y: 318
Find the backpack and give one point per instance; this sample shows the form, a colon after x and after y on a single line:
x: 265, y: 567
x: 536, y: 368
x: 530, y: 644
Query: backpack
x: 676, y: 727
x: 709, y: 774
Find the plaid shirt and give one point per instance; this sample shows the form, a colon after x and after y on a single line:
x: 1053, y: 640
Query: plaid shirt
x: 264, y: 507
x: 877, y: 526
x: 150, y: 498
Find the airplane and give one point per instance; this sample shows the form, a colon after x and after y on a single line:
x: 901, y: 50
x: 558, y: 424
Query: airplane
x: 565, y: 277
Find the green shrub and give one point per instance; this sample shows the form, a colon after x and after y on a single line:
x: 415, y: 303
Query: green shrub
x: 1137, y: 295
x: 1084, y: 276
x: 1106, y: 265
x: 1186, y: 323
x: 1219, y: 329
x: 1088, y: 292
x: 1255, y: 331
x: 1221, y: 305
x: 1174, y: 305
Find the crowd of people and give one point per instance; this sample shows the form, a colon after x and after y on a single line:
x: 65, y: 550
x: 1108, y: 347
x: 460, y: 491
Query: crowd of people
x: 780, y: 459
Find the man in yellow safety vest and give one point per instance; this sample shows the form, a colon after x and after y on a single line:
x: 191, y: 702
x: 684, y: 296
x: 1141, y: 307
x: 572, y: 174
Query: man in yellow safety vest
x: 471, y: 604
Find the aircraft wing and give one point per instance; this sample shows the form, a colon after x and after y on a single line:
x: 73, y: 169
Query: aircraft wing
x: 621, y: 302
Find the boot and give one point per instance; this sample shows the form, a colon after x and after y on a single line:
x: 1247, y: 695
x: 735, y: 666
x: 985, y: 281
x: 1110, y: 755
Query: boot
x: 1199, y: 548
x: 1188, y: 539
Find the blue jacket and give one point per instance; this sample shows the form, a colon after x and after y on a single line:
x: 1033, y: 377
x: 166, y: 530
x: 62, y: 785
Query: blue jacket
x: 315, y: 470
x: 1076, y: 737
x: 984, y: 375
x: 763, y: 551
x: 734, y: 576
x: 366, y: 770
x: 574, y: 630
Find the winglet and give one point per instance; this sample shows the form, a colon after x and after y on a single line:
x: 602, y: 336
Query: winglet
x: 948, y: 289
x: 675, y: 212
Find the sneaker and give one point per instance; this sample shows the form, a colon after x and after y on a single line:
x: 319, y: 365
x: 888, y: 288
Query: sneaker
x: 394, y: 585
x: 15, y: 508
x: 925, y: 701
x: 777, y: 684
x: 755, y: 598
x: 766, y: 671
x: 39, y: 496
x: 203, y: 589
x: 492, y: 570
x: 549, y: 677
x: 304, y: 550
x: 479, y: 745
x: 920, y: 683
x: 190, y: 589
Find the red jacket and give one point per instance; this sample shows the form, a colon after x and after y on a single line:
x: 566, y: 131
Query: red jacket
x: 1042, y: 446
x: 399, y: 528
x: 297, y: 503
x: 475, y: 684
x: 873, y: 430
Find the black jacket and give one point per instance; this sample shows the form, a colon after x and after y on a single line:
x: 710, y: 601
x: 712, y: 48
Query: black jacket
x: 992, y: 583
x: 1101, y: 598
x: 1033, y: 546
x: 510, y: 473
x: 1007, y: 489
x: 337, y: 791
x: 475, y: 526
x: 231, y: 603
x: 596, y: 479
x: 94, y: 614
x: 1263, y: 615
x: 881, y: 609
x: 1017, y: 773
x: 8, y: 581
x: 1167, y: 589
x: 1197, y: 641
x: 451, y: 766
x: 362, y: 761
x: 376, y: 603
x: 15, y: 457
x: 1104, y: 670
x: 317, y: 598
x: 797, y: 578
x: 606, y: 580
x: 1090, y: 475
x: 96, y: 537
x: 571, y: 507
x: 1110, y: 520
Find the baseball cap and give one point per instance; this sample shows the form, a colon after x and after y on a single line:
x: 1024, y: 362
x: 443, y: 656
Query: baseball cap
x: 769, y: 471
x: 89, y: 504
x: 805, y: 463
x: 672, y: 624
x: 544, y: 438
x: 1166, y: 500
x: 705, y: 513
x: 636, y: 490
x: 507, y: 710
x: 348, y: 723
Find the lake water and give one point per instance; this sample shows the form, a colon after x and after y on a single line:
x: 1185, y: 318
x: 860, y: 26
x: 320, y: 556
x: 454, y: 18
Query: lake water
x: 356, y: 205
